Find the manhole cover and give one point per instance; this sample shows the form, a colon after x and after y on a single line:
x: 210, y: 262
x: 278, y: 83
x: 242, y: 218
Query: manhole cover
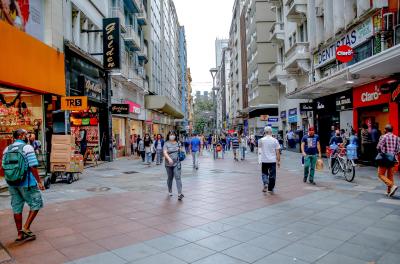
x: 98, y: 189
x: 130, y: 172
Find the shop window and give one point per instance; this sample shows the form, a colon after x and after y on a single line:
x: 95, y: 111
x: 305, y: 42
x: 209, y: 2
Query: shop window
x: 362, y: 52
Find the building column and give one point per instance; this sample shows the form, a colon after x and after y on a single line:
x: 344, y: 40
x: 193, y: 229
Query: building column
x: 84, y: 36
x: 76, y: 34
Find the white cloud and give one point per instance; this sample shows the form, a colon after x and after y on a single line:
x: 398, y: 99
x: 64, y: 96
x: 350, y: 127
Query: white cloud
x: 204, y: 21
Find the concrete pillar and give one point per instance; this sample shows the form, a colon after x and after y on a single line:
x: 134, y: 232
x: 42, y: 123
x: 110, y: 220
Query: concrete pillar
x: 92, y: 43
x: 84, y: 36
x: 328, y: 19
x: 311, y: 24
x: 349, y: 11
x: 76, y: 34
x: 319, y: 32
x: 339, y: 7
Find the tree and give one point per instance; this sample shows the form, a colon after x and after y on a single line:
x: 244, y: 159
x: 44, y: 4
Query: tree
x: 203, y: 114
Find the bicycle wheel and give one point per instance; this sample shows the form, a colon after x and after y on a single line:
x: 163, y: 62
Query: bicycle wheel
x: 335, y: 167
x: 350, y: 171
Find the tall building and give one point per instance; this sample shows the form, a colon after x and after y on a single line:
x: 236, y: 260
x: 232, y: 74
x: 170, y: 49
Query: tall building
x: 261, y: 56
x: 189, y: 100
x: 164, y: 100
x: 223, y: 90
x: 220, y: 44
x: 183, y: 74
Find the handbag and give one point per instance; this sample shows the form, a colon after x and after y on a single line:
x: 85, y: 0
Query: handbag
x: 181, y: 155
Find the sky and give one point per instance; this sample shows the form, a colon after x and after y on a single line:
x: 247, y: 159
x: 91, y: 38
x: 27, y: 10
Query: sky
x: 204, y: 21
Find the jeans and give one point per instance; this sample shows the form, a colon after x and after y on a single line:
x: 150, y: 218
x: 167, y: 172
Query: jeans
x: 159, y: 156
x: 387, y: 176
x: 309, y: 167
x: 243, y: 152
x: 148, y: 157
x: 143, y: 155
x: 174, y: 172
x: 268, y: 171
x: 195, y: 157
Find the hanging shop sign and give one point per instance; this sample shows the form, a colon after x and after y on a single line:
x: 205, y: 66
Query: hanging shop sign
x: 74, y: 103
x: 133, y: 107
x: 120, y: 109
x: 344, y: 53
x: 292, y: 112
x: 353, y: 38
x: 305, y: 107
x: 396, y: 94
x: 92, y: 89
x: 344, y: 102
x: 111, y: 43
x: 283, y: 115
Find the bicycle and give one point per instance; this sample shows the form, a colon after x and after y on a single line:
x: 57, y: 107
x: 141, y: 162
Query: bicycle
x: 343, y: 164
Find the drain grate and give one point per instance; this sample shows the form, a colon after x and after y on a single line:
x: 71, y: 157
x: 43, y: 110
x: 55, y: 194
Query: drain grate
x: 130, y: 172
x: 98, y: 189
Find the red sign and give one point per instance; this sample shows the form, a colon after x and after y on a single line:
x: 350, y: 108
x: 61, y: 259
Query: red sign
x: 396, y: 94
x: 344, y: 53
x: 369, y: 95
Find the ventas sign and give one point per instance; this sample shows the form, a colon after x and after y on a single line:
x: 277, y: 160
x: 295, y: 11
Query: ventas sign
x: 111, y: 43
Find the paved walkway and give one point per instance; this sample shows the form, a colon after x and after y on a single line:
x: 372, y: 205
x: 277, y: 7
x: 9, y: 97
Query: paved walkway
x: 120, y: 213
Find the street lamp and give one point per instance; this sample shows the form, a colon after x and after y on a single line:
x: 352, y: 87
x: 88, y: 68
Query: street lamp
x: 213, y: 72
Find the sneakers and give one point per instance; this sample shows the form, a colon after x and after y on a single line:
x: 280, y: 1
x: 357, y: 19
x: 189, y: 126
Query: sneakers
x: 265, y: 188
x: 304, y: 179
x: 312, y: 183
x: 180, y: 197
x: 393, y: 190
x: 170, y: 194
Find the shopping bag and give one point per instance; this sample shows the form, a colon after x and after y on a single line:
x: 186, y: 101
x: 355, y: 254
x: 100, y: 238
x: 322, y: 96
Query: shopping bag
x: 320, y: 165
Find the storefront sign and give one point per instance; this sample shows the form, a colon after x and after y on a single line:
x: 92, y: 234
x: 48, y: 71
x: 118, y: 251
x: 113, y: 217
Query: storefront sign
x: 292, y: 119
x: 120, y: 109
x: 352, y: 39
x: 111, y: 43
x: 304, y: 107
x: 396, y: 94
x: 133, y: 107
x: 343, y: 103
x: 320, y: 105
x: 74, y: 103
x: 283, y: 115
x: 344, y: 53
x: 92, y: 89
x: 292, y: 112
x: 369, y: 94
x: 273, y: 119
x: 264, y: 117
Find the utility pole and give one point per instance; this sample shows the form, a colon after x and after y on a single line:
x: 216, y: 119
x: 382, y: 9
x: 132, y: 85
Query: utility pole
x: 213, y: 72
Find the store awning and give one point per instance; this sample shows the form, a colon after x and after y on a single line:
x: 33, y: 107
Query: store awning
x: 372, y: 69
x: 162, y: 104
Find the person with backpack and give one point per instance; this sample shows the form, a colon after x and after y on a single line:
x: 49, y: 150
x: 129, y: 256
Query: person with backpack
x: 24, y: 183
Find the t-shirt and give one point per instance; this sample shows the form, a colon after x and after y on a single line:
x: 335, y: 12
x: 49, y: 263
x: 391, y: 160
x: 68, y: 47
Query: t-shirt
x: 235, y: 142
x: 32, y: 162
x: 172, y: 150
x: 267, y: 147
x: 195, y: 143
x: 310, y: 144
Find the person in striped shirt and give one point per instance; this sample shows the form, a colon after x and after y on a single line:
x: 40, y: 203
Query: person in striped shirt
x: 235, y: 146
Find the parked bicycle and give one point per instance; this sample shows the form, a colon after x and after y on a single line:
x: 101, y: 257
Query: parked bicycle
x: 339, y: 162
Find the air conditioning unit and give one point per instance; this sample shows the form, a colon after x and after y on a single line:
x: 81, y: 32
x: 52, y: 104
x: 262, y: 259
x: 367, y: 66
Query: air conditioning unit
x: 319, y: 11
x: 388, y: 22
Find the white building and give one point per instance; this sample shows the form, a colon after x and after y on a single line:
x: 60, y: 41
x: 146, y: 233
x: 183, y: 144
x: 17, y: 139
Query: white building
x: 220, y: 44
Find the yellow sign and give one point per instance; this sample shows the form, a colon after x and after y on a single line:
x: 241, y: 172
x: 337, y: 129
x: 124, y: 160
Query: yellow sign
x: 74, y: 103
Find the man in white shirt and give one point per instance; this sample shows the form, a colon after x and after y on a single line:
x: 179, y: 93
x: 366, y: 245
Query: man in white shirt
x: 269, y: 157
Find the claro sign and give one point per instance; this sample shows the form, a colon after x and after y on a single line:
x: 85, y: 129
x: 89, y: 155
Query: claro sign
x: 369, y: 95
x: 353, y: 38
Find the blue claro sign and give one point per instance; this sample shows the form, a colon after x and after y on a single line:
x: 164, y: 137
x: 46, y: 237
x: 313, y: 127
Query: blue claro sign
x: 352, y: 38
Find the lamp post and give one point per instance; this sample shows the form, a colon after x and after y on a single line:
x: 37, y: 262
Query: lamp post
x: 213, y: 72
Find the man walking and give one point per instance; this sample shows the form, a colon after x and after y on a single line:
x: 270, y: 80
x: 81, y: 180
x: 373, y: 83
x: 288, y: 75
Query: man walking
x: 269, y: 157
x: 389, y: 145
x: 20, y: 169
x: 235, y: 146
x: 195, y: 148
x: 310, y: 146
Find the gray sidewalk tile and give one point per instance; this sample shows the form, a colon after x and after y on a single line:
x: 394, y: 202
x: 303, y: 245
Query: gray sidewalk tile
x: 372, y: 241
x: 382, y: 232
x: 277, y: 258
x: 288, y: 234
x: 240, y: 234
x: 219, y: 259
x: 216, y: 227
x: 333, y: 258
x: 389, y: 258
x: 191, y: 252
x: 360, y: 252
x: 166, y: 243
x: 135, y: 252
x: 103, y: 258
x: 319, y: 220
x: 269, y: 242
x: 335, y: 233
x: 303, y: 252
x: 235, y: 221
x: 162, y: 258
x: 193, y: 234
x: 304, y: 227
x: 218, y: 243
x: 247, y: 252
x: 321, y: 242
x: 260, y: 227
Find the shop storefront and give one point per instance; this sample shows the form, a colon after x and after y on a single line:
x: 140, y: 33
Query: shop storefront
x: 30, y: 87
x: 86, y: 77
x: 292, y: 119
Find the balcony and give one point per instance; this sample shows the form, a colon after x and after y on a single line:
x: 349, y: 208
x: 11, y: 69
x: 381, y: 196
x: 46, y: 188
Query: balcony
x: 277, y: 33
x: 132, y: 38
x: 142, y: 16
x: 298, y: 57
x: 135, y: 78
x: 142, y: 53
x: 277, y: 73
x: 119, y: 13
x: 297, y: 10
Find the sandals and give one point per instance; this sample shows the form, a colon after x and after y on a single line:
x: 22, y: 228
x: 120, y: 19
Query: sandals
x: 27, y: 235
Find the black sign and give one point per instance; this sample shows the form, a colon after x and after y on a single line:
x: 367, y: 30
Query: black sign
x: 283, y: 115
x: 92, y: 89
x: 111, y: 43
x: 319, y: 105
x: 120, y: 109
x: 344, y: 102
x: 396, y: 94
x: 293, y: 112
x: 305, y: 107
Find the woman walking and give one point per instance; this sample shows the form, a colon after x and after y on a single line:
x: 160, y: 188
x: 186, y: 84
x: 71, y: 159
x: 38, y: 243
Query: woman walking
x: 172, y: 163
x: 148, y: 148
